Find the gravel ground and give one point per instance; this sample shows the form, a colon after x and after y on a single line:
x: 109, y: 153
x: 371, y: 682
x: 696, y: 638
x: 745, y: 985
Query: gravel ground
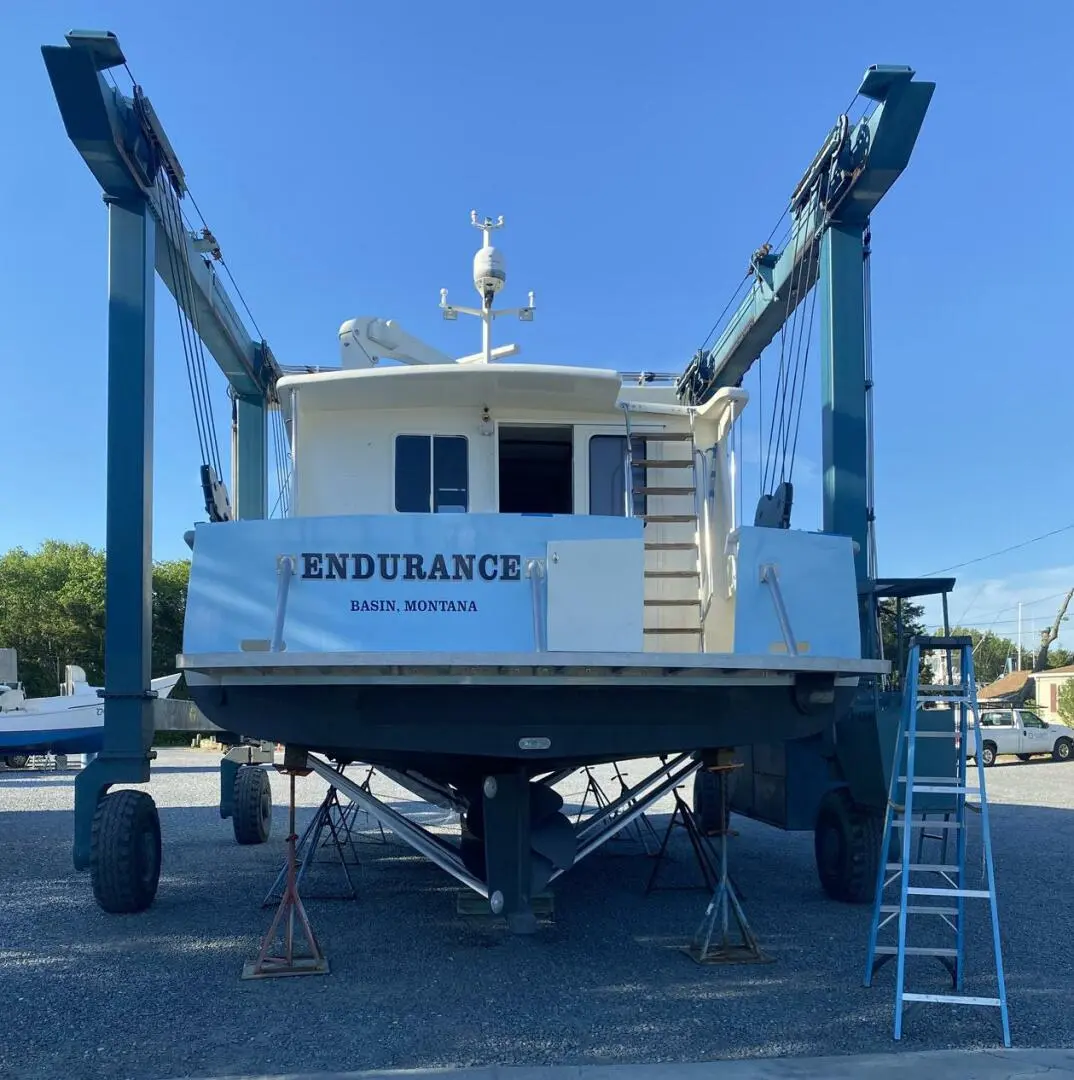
x: 414, y: 985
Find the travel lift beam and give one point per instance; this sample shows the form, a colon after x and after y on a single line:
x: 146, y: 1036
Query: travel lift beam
x: 829, y: 246
x: 834, y: 786
x: 126, y: 149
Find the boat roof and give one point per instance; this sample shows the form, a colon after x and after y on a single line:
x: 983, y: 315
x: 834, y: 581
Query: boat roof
x: 553, y: 387
x: 542, y: 386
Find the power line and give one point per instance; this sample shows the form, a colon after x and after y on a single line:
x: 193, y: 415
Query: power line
x: 1014, y: 622
x: 1025, y: 604
x: 1002, y: 551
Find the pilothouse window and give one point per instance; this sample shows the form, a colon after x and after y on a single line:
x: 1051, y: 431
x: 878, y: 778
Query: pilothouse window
x: 431, y: 474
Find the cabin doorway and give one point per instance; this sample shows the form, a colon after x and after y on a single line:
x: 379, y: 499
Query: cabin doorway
x: 536, y: 470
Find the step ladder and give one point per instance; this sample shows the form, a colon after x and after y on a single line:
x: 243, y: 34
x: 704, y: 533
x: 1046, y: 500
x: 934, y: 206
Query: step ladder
x: 944, y: 897
x: 680, y: 531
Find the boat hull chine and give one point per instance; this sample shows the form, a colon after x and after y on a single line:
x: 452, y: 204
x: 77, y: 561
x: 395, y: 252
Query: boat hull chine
x: 444, y: 730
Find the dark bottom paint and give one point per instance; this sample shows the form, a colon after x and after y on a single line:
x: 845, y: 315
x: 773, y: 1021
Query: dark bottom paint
x: 87, y: 740
x: 472, y: 738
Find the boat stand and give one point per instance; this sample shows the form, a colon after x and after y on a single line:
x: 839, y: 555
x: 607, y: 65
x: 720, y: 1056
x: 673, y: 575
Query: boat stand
x: 338, y: 820
x: 641, y: 828
x: 267, y: 964
x: 600, y: 827
x: 724, y: 907
x: 683, y: 817
x: 351, y: 812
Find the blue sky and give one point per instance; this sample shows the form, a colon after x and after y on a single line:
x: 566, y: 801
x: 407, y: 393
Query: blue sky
x: 639, y: 155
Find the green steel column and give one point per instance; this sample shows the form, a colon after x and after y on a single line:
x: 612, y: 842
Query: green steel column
x: 251, y: 464
x: 128, y: 715
x: 845, y: 443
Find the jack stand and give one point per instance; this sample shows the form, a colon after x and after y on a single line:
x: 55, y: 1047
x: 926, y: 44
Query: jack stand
x: 330, y: 815
x: 706, y: 857
x: 350, y: 814
x: 641, y: 827
x: 267, y: 966
x: 722, y: 905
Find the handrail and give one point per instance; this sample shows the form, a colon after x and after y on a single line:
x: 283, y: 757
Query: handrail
x: 770, y: 577
x: 535, y: 571
x: 294, y: 452
x: 628, y: 468
x: 706, y: 579
x: 285, y: 569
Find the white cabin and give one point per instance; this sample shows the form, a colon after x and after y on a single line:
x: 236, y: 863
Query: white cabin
x: 510, y: 438
x: 535, y: 452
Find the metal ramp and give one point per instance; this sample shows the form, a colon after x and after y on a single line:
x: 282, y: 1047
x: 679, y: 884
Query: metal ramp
x: 944, y: 897
x: 678, y: 516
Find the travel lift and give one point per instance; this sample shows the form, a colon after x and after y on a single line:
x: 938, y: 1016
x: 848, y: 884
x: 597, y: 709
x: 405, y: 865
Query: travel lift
x: 834, y: 784
x: 117, y: 834
x: 125, y: 147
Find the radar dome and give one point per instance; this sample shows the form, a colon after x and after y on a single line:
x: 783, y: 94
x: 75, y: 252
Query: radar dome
x: 489, y: 272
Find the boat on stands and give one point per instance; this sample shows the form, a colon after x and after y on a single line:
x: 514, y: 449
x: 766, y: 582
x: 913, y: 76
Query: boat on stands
x: 491, y: 573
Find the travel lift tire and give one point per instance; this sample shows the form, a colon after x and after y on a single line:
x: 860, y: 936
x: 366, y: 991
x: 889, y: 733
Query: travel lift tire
x: 252, y: 816
x: 846, y: 844
x: 125, y: 852
x: 17, y: 761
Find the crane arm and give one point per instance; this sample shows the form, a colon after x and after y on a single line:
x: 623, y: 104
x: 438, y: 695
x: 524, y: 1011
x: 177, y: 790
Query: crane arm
x: 124, y: 145
x: 850, y: 174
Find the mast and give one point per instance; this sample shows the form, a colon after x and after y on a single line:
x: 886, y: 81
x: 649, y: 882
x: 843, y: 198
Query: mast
x: 490, y: 276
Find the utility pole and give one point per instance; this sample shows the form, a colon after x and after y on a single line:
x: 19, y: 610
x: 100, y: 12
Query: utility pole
x: 1019, y: 635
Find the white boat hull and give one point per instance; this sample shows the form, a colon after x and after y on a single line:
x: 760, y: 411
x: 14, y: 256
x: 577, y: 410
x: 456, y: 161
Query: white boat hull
x: 69, y: 724
x: 76, y: 729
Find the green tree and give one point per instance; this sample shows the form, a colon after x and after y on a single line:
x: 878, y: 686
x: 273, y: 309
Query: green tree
x: 52, y: 612
x: 913, y: 625
x: 169, y: 609
x: 1060, y: 657
x: 990, y: 653
x: 1065, y: 702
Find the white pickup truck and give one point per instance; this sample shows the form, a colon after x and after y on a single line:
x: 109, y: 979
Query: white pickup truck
x: 1022, y: 732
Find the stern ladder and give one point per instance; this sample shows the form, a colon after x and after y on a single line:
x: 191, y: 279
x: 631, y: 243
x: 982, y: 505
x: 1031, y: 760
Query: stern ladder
x: 679, y: 589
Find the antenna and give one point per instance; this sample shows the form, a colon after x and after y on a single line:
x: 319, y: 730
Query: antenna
x: 490, y: 276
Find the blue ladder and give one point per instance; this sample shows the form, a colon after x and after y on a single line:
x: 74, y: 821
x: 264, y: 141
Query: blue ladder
x: 956, y: 702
